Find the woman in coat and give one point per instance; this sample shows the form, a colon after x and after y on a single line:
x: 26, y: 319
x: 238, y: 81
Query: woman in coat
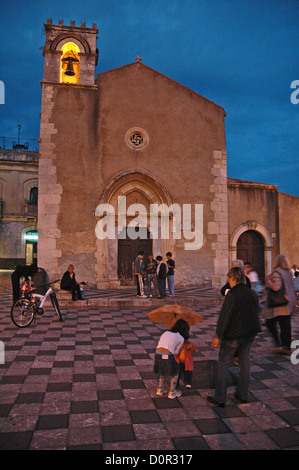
x: 281, y: 315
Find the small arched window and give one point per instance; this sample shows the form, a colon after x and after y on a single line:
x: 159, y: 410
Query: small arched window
x: 69, y: 63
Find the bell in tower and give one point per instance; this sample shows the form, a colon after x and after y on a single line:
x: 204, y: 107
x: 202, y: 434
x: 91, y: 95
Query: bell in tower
x: 70, y: 53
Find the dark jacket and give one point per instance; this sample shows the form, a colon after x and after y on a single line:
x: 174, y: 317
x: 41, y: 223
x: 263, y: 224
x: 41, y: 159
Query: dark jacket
x: 67, y: 282
x: 162, y: 271
x: 238, y: 317
x: 139, y: 266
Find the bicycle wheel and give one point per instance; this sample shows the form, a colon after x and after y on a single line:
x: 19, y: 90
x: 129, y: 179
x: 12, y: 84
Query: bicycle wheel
x: 22, y: 313
x: 56, y: 305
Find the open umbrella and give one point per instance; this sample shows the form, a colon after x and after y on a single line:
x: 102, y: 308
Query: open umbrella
x: 169, y: 314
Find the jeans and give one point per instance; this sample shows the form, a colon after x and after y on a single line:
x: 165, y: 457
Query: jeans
x: 226, y: 354
x: 151, y: 278
x: 170, y: 282
x: 139, y: 280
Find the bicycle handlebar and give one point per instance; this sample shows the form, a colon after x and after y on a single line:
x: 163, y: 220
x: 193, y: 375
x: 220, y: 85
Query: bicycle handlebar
x: 45, y: 285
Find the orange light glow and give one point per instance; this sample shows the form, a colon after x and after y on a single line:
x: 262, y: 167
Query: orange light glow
x: 69, y: 63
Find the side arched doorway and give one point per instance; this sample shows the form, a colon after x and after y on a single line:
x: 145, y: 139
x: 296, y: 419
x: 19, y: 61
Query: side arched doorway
x: 251, y: 248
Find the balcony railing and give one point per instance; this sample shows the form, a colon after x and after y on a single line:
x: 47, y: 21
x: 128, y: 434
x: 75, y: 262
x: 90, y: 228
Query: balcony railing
x: 30, y: 210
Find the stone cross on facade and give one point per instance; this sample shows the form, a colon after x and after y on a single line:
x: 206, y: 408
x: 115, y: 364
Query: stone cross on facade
x: 138, y: 58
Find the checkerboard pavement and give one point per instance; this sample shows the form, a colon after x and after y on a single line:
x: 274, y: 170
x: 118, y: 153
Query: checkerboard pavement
x: 87, y: 383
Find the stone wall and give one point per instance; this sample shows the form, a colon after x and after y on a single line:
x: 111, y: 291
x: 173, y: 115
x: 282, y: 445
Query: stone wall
x: 289, y: 226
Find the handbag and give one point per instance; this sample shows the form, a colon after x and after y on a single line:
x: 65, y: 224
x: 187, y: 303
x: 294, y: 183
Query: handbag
x: 277, y: 298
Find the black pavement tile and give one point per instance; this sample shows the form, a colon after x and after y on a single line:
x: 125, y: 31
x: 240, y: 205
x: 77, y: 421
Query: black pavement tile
x: 13, y: 379
x: 40, y: 371
x: 118, y: 433
x: 263, y: 375
x: 110, y: 395
x: 144, y: 416
x: 132, y: 384
x: 52, y: 422
x: 164, y: 402
x: 4, y: 410
x: 63, y: 364
x: 84, y: 407
x: 105, y: 370
x: 211, y: 426
x: 284, y: 437
x: 59, y: 387
x: 190, y: 443
x: 102, y: 352
x: 84, y: 378
x: 290, y: 416
x: 31, y: 397
x: 21, y: 358
x: 15, y: 440
x: 293, y: 400
x: 123, y: 362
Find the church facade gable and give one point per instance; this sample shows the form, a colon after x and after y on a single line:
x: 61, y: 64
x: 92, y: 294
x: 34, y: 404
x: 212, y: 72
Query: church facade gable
x: 145, y: 136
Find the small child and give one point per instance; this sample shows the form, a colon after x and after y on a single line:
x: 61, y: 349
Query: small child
x: 186, y: 362
x: 26, y: 290
x: 165, y: 363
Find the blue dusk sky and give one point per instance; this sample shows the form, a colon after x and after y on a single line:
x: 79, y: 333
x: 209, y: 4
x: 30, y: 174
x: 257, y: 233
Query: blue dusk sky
x: 241, y: 54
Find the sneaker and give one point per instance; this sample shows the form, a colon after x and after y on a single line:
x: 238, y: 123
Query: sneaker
x: 144, y: 296
x: 174, y: 394
x: 161, y: 391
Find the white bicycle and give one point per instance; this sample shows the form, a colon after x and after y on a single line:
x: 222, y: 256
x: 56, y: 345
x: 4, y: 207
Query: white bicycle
x: 25, y: 310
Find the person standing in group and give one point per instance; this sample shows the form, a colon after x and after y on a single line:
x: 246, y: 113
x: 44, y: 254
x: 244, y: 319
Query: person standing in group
x: 139, y: 272
x: 151, y: 269
x: 170, y: 273
x: 161, y: 276
x: 279, y: 278
x: 165, y: 363
x: 237, y: 326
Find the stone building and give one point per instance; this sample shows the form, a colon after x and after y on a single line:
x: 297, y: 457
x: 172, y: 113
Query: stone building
x: 132, y: 146
x: 18, y: 207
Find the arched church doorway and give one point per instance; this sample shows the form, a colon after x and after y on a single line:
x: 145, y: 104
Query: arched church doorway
x: 130, y: 195
x: 251, y: 248
x: 128, y: 249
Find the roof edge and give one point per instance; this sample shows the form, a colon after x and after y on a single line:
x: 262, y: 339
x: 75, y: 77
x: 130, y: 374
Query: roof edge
x: 138, y: 64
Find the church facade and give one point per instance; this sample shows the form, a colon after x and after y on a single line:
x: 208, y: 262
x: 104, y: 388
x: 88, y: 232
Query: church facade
x: 132, y: 160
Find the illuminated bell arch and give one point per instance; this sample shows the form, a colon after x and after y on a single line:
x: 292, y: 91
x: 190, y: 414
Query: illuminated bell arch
x: 69, y: 63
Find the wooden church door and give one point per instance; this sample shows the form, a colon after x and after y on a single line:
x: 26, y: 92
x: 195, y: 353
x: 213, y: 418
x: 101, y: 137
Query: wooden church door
x: 250, y: 248
x: 128, y: 250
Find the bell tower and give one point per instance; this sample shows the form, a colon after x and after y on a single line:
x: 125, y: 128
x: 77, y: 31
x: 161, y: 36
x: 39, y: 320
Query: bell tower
x: 70, y: 53
x: 67, y: 142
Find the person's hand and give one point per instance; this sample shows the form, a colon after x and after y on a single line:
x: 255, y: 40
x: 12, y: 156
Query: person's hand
x: 215, y: 342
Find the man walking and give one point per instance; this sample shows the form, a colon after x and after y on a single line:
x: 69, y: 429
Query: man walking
x: 237, y: 326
